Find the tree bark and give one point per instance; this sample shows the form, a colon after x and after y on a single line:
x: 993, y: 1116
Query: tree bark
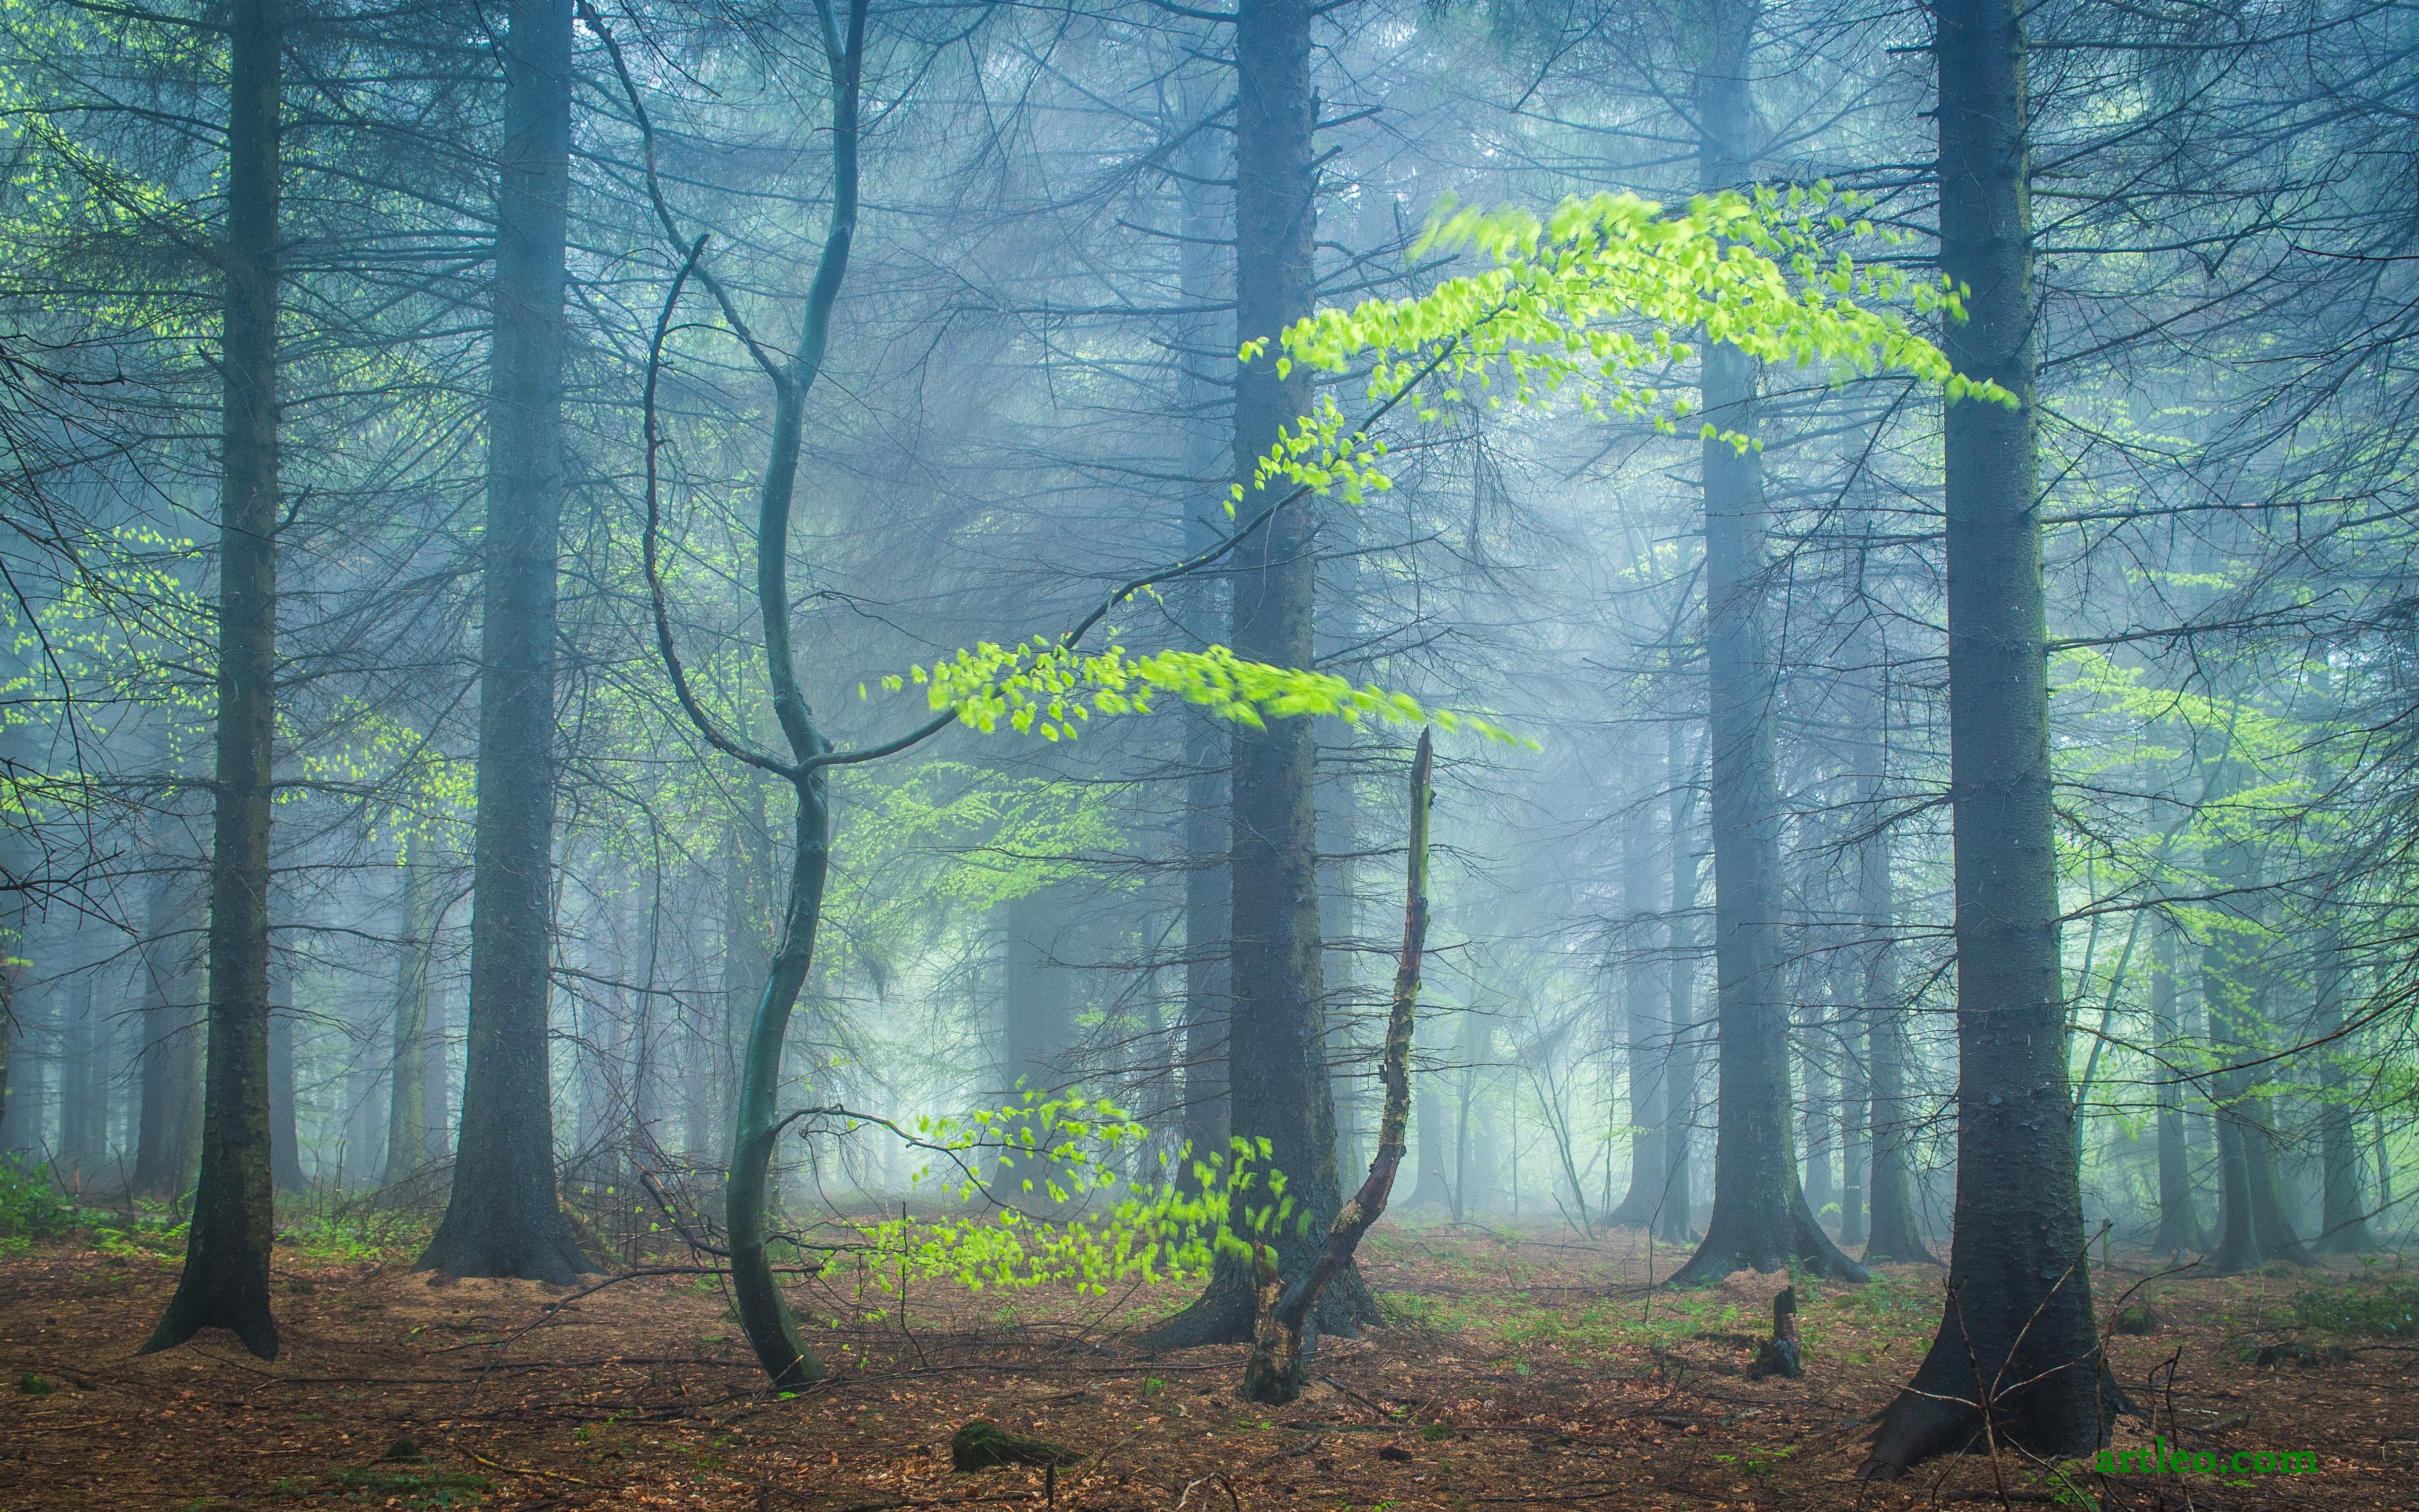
x: 2343, y: 1217
x: 1760, y: 1218
x: 1278, y: 1087
x: 406, y: 1121
x: 2235, y: 984
x: 285, y: 1141
x: 2179, y: 1226
x: 1208, y: 893
x: 1648, y: 1035
x: 1274, y: 1373
x: 1675, y: 1221
x: 2019, y: 1316
x: 225, y: 1280
x: 504, y: 1217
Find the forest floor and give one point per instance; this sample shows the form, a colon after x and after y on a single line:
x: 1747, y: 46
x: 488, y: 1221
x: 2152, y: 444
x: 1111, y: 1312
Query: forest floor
x: 1522, y: 1369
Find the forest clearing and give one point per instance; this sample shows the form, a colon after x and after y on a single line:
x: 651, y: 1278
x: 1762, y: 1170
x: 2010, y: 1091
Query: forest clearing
x: 1518, y: 1367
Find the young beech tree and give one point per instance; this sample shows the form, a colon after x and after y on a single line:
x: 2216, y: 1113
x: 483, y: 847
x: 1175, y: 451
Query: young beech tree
x: 1044, y: 684
x: 1595, y: 295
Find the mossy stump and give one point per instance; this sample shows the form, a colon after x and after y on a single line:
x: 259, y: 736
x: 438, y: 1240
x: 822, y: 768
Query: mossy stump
x: 981, y: 1445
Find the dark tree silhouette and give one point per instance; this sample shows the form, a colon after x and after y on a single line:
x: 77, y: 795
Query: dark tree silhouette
x: 225, y: 1280
x: 504, y: 1217
x: 2017, y: 1332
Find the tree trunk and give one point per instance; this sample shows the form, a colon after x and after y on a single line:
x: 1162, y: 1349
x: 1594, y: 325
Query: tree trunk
x: 1034, y: 1020
x: 1854, y: 1102
x: 406, y: 1121
x: 84, y: 1113
x: 1821, y: 1111
x: 503, y: 1218
x: 168, y: 992
x: 1275, y: 1372
x: 1676, y: 1221
x: 1278, y: 1087
x: 2342, y: 1218
x: 225, y: 1280
x: 21, y: 1124
x: 2180, y: 1227
x: 1760, y: 1218
x: 2235, y: 982
x: 2020, y: 1292
x: 1649, y: 1036
x: 284, y: 1140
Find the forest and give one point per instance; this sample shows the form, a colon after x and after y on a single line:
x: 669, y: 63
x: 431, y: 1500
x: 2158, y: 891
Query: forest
x: 1209, y: 755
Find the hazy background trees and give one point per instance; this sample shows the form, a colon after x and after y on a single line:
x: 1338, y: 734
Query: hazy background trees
x: 1030, y: 394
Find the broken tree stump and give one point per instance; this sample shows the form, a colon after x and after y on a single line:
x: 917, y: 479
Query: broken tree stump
x: 1778, y: 1356
x: 982, y: 1446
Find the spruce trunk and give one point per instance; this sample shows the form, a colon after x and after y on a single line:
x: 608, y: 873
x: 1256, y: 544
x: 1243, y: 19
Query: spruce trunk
x: 2016, y: 1359
x: 504, y: 1217
x: 225, y: 1280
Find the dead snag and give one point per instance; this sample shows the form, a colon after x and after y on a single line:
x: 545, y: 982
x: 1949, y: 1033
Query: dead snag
x: 1274, y: 1374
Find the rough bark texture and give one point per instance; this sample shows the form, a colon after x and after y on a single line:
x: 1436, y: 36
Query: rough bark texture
x: 2179, y: 1226
x: 1760, y: 1218
x: 503, y: 1218
x: 2020, y: 1290
x: 225, y: 1279
x: 1278, y: 1086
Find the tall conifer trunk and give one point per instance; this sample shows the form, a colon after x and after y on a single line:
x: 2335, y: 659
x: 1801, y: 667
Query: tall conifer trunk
x: 406, y: 1121
x: 1278, y: 1086
x: 2342, y: 1214
x: 1676, y: 1220
x: 225, y: 1280
x: 2020, y: 1291
x: 1208, y: 895
x: 1648, y: 1035
x: 1760, y: 1218
x: 2180, y: 1227
x: 504, y: 1217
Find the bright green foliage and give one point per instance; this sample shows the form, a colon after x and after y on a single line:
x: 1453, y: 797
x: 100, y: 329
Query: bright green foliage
x: 1058, y: 1150
x: 30, y: 1208
x: 1600, y: 293
x: 1042, y: 684
x: 1597, y: 293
